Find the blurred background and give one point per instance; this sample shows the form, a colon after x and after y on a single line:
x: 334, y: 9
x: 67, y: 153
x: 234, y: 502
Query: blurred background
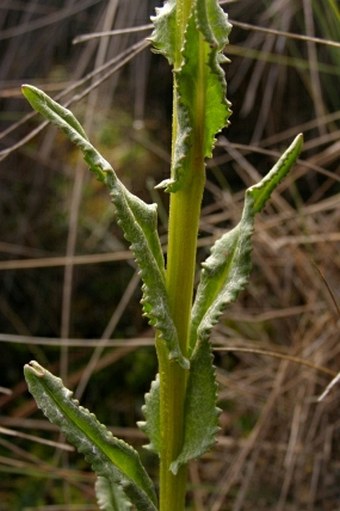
x: 69, y: 290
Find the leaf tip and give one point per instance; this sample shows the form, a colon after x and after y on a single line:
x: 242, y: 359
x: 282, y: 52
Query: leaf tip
x: 35, y: 369
x: 26, y: 86
x: 299, y: 139
x: 28, y: 89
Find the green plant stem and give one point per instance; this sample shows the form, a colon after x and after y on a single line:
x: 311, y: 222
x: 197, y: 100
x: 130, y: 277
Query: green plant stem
x: 184, y: 217
x: 185, y: 208
x: 183, y: 229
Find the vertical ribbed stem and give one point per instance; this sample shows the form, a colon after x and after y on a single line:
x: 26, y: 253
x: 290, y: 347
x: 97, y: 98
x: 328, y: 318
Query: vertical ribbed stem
x: 184, y: 216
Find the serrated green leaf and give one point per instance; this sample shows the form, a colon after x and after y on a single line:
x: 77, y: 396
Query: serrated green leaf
x: 163, y: 38
x: 66, y: 122
x: 213, y: 23
x: 111, y: 497
x: 139, y: 223
x: 226, y: 271
x: 202, y: 107
x: 151, y: 411
x: 137, y: 219
x: 262, y: 191
x: 224, y: 274
x: 110, y: 457
x: 201, y: 413
x: 40, y: 103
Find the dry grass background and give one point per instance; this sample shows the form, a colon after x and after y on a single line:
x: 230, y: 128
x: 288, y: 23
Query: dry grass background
x: 69, y: 289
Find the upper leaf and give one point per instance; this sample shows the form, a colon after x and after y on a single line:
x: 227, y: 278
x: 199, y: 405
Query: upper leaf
x: 200, y: 87
x: 226, y: 271
x: 213, y: 23
x: 137, y: 219
x: 163, y: 38
x: 110, y: 457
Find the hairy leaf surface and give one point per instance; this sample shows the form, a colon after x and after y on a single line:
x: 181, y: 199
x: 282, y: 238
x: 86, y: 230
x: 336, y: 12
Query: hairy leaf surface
x: 201, y: 413
x: 224, y: 274
x: 110, y: 457
x: 137, y: 219
x: 151, y: 411
x: 226, y: 271
x: 202, y: 108
x: 163, y: 38
x: 111, y: 497
x: 213, y: 23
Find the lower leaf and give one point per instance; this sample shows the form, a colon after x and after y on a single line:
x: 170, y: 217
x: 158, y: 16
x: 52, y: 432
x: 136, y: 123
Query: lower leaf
x: 111, y: 497
x: 110, y: 457
x: 201, y: 413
